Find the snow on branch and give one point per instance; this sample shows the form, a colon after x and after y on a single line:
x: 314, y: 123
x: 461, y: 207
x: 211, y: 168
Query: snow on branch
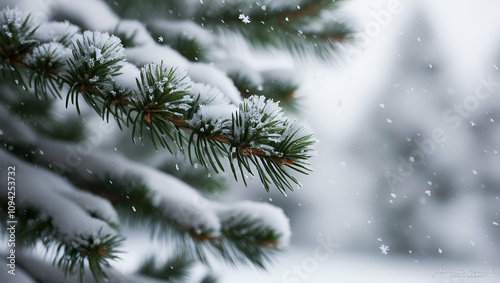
x: 178, y: 103
x: 165, y: 55
x: 15, y: 38
x: 196, y: 221
x: 84, y: 13
x: 58, y: 200
x: 62, y: 32
x: 171, y: 194
x: 133, y: 33
x: 264, y: 216
x: 163, y: 104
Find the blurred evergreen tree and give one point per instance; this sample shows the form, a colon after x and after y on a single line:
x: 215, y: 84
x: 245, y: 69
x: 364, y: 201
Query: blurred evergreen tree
x: 427, y: 141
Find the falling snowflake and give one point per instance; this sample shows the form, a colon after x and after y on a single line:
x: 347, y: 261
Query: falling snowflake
x: 384, y: 249
x: 428, y: 192
x: 244, y: 19
x: 160, y: 39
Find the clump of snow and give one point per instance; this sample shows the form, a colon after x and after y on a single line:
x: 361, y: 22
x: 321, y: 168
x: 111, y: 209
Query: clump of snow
x: 237, y: 66
x: 256, y: 113
x: 99, y: 47
x: 99, y: 206
x: 215, y: 111
x: 136, y: 29
x: 181, y: 202
x: 211, y: 119
x: 56, y: 31
x: 10, y: 16
x: 256, y: 108
x: 50, y: 197
x: 11, y: 21
x: 126, y: 79
x: 154, y: 53
x: 178, y: 80
x: 208, y: 94
x: 89, y: 14
x: 270, y: 216
x: 205, y: 73
x: 52, y: 53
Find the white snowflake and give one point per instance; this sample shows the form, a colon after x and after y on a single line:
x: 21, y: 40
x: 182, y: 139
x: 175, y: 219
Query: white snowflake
x: 160, y: 39
x: 244, y: 19
x: 384, y: 249
x: 428, y: 192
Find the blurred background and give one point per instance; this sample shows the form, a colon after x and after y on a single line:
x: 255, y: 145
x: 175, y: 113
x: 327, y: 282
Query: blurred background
x: 407, y: 120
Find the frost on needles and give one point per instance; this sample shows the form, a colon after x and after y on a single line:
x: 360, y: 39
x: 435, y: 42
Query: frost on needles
x: 175, y: 107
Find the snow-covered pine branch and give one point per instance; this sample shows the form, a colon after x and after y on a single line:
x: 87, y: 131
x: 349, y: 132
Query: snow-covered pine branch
x: 164, y: 104
x: 239, y: 234
x: 169, y: 80
x: 183, y: 212
x: 301, y: 27
x: 77, y: 224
